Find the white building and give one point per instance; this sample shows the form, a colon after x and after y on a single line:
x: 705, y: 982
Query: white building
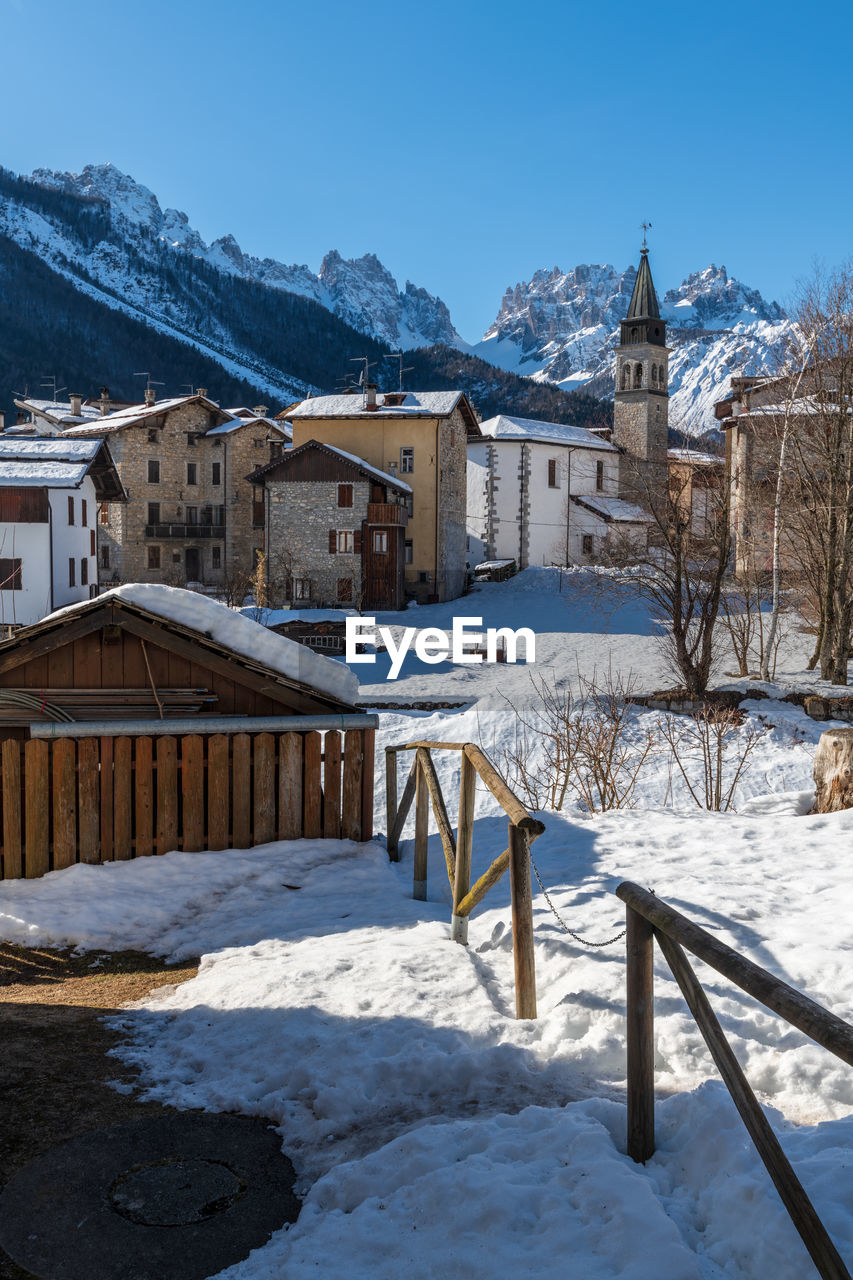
x: 544, y: 493
x: 50, y: 489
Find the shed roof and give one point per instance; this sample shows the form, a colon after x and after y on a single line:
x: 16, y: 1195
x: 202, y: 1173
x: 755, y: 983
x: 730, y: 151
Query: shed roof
x: 506, y: 427
x: 55, y: 462
x: 263, y: 473
x: 614, y: 510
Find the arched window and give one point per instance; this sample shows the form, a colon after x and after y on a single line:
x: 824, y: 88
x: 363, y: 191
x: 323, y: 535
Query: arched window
x: 638, y: 375
x: 626, y: 376
x: 661, y: 376
x: 635, y: 335
x: 654, y: 375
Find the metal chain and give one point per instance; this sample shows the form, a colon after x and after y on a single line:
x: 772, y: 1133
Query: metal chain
x: 583, y: 941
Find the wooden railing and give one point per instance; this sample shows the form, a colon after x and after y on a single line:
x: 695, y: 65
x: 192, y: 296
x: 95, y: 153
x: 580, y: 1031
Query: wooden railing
x: 386, y: 513
x: 422, y: 787
x: 648, y: 918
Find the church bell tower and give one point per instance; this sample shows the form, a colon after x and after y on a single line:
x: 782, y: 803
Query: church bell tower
x: 641, y: 401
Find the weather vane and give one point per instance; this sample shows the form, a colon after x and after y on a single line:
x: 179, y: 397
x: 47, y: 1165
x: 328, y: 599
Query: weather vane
x: 645, y: 226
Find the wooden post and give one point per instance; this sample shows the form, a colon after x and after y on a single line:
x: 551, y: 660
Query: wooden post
x: 639, y: 946
x: 522, y: 923
x: 391, y: 803
x: 464, y: 841
x: 402, y: 812
x: 419, y: 889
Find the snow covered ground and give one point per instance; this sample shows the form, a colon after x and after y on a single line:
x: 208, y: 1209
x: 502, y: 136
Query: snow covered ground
x: 432, y: 1133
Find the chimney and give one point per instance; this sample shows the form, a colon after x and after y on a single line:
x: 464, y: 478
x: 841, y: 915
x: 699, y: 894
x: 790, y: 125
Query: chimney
x: 76, y: 406
x: 370, y: 396
x: 201, y: 391
x: 105, y: 401
x: 260, y: 410
x: 150, y: 396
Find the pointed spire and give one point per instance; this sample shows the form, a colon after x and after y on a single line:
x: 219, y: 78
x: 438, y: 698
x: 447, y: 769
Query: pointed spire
x: 644, y: 302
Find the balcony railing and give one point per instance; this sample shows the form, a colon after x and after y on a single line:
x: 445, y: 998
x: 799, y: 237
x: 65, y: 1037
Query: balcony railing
x: 185, y: 531
x: 386, y: 513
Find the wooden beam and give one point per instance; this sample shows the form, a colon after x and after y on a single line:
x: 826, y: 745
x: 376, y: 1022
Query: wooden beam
x: 464, y: 843
x: 419, y: 889
x: 509, y: 802
x: 639, y: 947
x: 27, y: 649
x: 390, y: 799
x: 402, y: 813
x: 440, y: 810
x: 522, y: 923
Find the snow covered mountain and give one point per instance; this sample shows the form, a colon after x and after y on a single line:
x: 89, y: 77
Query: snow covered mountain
x: 562, y: 326
x: 360, y: 291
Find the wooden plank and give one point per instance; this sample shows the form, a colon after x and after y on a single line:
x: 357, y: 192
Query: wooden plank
x: 312, y: 796
x: 802, y: 1213
x: 192, y: 793
x: 143, y: 797
x: 13, y: 863
x: 402, y: 812
x: 639, y: 946
x: 88, y: 799
x: 263, y: 817
x: 106, y: 799
x: 218, y: 792
x: 36, y: 807
x: 290, y: 786
x: 368, y: 765
x: 510, y: 803
x: 332, y: 785
x: 351, y: 803
x: 833, y: 1033
x: 522, y: 922
x: 464, y: 844
x: 45, y: 643
x: 60, y: 665
x: 87, y: 661
x: 64, y: 779
x: 390, y: 801
x: 419, y: 874
x: 241, y: 772
x: 122, y: 798
x: 445, y: 831
x: 167, y: 795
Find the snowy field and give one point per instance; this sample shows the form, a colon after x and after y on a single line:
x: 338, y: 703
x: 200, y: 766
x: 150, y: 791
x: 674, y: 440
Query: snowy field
x: 433, y: 1134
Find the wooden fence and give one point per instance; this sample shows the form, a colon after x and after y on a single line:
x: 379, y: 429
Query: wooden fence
x: 650, y: 919
x: 423, y: 787
x: 97, y: 799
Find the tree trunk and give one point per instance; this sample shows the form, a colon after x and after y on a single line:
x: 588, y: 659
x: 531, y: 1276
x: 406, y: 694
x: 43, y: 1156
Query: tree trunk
x: 833, y: 771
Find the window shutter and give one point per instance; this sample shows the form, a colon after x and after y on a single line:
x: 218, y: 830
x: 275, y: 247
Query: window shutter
x: 357, y: 542
x: 333, y: 542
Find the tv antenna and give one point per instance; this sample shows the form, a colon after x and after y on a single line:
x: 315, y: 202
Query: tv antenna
x: 365, y: 372
x: 398, y: 355
x: 50, y: 381
x: 644, y: 227
x: 149, y: 381
x: 188, y: 387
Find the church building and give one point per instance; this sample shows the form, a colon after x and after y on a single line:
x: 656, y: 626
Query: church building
x: 641, y: 401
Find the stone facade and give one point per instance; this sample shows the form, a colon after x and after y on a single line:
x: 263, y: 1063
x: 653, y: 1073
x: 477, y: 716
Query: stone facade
x: 451, y: 573
x: 641, y: 399
x: 300, y: 517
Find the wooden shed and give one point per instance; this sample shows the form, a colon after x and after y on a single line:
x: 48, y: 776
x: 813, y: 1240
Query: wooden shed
x: 153, y: 719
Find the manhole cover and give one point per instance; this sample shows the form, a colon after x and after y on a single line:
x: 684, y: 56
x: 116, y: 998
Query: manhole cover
x: 173, y: 1197
x: 176, y: 1192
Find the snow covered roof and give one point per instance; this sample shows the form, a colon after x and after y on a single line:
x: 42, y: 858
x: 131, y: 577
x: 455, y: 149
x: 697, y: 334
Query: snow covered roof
x: 694, y: 457
x: 54, y: 462
x: 55, y: 448
x: 431, y: 404
x: 230, y: 630
x: 506, y: 427
x: 614, y: 510
x: 136, y: 413
x: 278, y: 617
x: 234, y: 424
x: 384, y: 476
x: 41, y: 474
x: 58, y: 411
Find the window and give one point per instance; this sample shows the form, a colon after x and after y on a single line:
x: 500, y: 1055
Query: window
x: 346, y: 542
x: 10, y: 575
x: 216, y: 557
x: 72, y: 579
x: 153, y: 435
x: 91, y: 542
x: 553, y: 482
x: 105, y: 557
x: 344, y: 495
x: 654, y: 375
x: 275, y: 449
x: 587, y: 544
x: 380, y: 542
x: 410, y: 505
x: 344, y: 589
x: 192, y: 436
x: 104, y: 513
x: 153, y: 557
x: 257, y: 442
x: 153, y: 472
x: 84, y: 509
x: 407, y: 551
x: 153, y: 512
x: 70, y: 510
x: 176, y: 557
x: 626, y: 376
x: 84, y: 572
x: 407, y: 459
x: 218, y: 515
x: 216, y: 473
x: 191, y: 515
x: 599, y: 475
x: 423, y: 576
x: 302, y: 588
x: 638, y: 375
x: 192, y: 473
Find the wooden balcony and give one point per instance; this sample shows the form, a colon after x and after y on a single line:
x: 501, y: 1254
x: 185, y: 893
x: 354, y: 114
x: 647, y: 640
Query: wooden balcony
x: 386, y: 513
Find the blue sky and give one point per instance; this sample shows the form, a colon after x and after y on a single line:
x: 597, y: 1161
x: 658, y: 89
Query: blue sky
x: 466, y: 144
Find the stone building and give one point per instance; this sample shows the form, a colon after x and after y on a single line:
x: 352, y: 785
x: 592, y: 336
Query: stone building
x: 420, y: 437
x: 191, y: 515
x: 641, y: 400
x: 335, y: 529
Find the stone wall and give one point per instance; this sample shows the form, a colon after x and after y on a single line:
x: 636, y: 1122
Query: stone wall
x: 300, y: 517
x: 451, y: 577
